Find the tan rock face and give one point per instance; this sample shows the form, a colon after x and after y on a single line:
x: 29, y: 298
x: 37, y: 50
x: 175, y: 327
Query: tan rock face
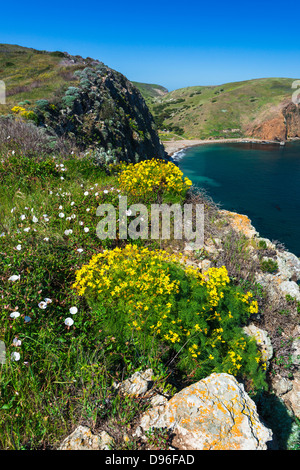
x: 283, y: 124
x: 213, y: 414
x: 240, y: 223
x: 272, y: 129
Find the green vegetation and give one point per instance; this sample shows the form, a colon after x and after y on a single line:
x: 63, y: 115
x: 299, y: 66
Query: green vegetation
x: 150, y: 91
x: 65, y: 348
x: 80, y: 102
x: 80, y: 314
x: 225, y: 111
x: 31, y: 75
x: 269, y: 266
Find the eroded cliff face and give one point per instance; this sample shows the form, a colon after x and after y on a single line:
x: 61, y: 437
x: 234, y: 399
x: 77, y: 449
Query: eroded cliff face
x: 283, y: 124
x: 105, y: 111
x: 291, y: 114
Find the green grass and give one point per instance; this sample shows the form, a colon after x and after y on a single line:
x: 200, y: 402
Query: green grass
x: 30, y: 74
x: 224, y: 111
x: 150, y: 91
x: 65, y: 373
x: 62, y: 378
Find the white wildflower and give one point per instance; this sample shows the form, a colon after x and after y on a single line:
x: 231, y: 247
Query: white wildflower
x: 73, y: 310
x: 15, y: 314
x: 43, y: 305
x: 15, y: 356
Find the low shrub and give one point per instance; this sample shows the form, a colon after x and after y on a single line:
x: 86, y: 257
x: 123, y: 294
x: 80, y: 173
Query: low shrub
x: 149, y: 179
x: 156, y: 308
x: 269, y: 266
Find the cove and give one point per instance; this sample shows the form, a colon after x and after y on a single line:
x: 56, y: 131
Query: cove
x: 261, y: 181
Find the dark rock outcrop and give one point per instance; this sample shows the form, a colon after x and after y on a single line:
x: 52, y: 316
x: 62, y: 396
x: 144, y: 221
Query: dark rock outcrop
x: 291, y: 114
x: 104, y: 111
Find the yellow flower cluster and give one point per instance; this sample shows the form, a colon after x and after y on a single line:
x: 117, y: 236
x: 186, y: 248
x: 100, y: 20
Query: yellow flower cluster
x: 20, y: 111
x: 121, y: 272
x: 216, y: 278
x: 140, y: 278
x: 140, y: 287
x: 149, y: 176
x: 253, y: 305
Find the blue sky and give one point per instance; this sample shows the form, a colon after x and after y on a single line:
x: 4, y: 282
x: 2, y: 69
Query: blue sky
x: 171, y: 43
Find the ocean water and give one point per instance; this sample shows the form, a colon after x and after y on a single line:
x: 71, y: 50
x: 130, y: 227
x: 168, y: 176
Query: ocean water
x: 261, y: 181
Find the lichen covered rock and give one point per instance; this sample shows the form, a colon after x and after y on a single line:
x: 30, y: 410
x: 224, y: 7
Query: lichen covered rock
x: 137, y: 384
x: 213, y: 414
x: 83, y: 439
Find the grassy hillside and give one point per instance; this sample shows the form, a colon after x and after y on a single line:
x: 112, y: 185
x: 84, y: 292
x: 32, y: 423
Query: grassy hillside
x: 150, y: 92
x: 227, y: 110
x: 30, y: 74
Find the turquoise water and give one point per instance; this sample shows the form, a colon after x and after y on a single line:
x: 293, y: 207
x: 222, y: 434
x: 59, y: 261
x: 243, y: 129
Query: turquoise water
x: 259, y: 180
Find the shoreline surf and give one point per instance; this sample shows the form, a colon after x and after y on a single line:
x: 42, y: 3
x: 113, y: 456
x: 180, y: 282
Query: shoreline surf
x: 173, y: 147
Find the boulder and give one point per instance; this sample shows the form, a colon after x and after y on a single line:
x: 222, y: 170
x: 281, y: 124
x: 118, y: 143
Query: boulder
x: 83, y: 439
x: 240, y: 223
x: 213, y: 414
x: 288, y: 266
x: 278, y: 288
x: 263, y: 341
x: 281, y: 385
x: 137, y: 384
x: 292, y: 397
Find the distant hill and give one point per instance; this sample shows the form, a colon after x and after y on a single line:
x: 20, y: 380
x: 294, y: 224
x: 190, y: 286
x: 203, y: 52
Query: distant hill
x: 150, y: 91
x: 259, y: 108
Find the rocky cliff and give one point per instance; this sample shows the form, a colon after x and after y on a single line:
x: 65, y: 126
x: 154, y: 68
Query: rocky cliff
x: 79, y: 99
x: 105, y: 111
x: 284, y: 124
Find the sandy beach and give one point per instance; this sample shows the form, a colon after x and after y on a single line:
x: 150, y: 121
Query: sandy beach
x: 174, y: 146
